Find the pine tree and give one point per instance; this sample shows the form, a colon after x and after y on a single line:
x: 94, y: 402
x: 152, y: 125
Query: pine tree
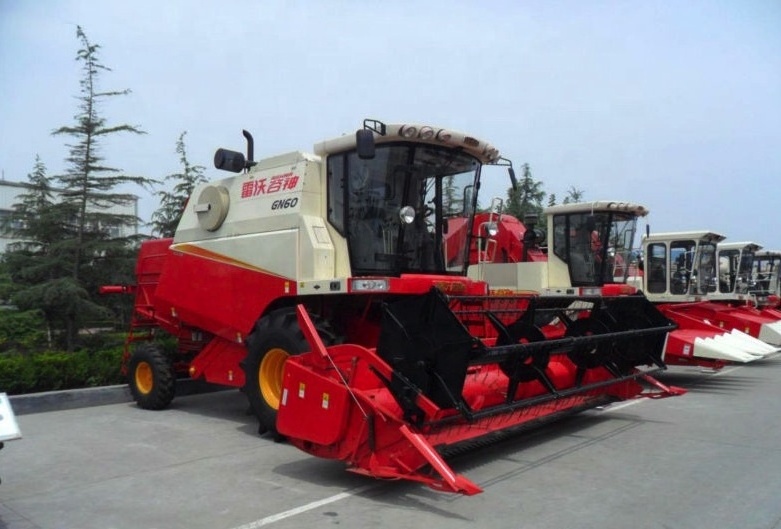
x: 95, y: 251
x: 527, y: 198
x: 172, y: 203
x: 38, y: 263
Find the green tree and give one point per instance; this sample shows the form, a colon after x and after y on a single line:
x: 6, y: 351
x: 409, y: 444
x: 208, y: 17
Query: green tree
x: 527, y: 198
x: 172, y: 203
x: 96, y: 252
x: 37, y: 221
x: 552, y: 199
x: 38, y: 263
x: 574, y: 195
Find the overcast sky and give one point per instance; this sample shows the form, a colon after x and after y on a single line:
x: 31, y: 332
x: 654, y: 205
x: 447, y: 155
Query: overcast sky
x: 675, y: 105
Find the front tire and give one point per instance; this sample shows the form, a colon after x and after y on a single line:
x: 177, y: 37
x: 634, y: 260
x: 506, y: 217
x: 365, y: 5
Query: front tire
x: 275, y: 338
x: 151, y: 377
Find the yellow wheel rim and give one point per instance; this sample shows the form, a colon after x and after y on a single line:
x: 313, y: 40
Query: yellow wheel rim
x: 144, y: 378
x: 270, y: 376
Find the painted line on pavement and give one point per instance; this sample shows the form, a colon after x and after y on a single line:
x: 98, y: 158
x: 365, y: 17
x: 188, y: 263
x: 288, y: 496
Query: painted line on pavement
x: 344, y: 495
x: 304, y: 508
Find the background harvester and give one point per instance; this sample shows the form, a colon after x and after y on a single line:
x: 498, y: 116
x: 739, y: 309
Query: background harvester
x: 738, y: 287
x: 331, y: 287
x: 766, y: 280
x: 590, y: 249
x: 701, y: 283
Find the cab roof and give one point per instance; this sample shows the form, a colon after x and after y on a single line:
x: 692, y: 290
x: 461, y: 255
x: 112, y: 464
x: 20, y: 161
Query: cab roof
x: 600, y: 206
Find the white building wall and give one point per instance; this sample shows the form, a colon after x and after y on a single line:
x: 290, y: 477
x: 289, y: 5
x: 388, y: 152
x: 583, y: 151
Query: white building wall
x: 11, y: 191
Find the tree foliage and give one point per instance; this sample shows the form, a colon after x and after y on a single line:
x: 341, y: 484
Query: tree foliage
x: 527, y: 198
x: 574, y: 195
x: 172, y: 203
x: 69, y: 233
x: 37, y: 262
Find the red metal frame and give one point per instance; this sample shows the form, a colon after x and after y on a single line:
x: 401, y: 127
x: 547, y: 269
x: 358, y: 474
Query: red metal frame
x: 719, y: 315
x: 336, y: 405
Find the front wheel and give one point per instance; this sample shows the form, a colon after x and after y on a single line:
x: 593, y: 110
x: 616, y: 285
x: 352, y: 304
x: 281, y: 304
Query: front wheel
x: 151, y: 377
x: 275, y: 338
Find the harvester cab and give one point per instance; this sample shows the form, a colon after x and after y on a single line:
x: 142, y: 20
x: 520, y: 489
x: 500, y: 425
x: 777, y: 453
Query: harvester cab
x: 735, y: 265
x: 680, y: 266
x: 738, y: 284
x: 703, y: 291
x: 589, y: 247
x: 766, y: 279
x: 332, y: 288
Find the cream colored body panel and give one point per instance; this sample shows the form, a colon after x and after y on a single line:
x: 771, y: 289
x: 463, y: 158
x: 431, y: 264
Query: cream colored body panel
x: 274, y: 220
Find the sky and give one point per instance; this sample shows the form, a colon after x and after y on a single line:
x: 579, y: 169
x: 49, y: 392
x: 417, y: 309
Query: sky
x: 675, y: 105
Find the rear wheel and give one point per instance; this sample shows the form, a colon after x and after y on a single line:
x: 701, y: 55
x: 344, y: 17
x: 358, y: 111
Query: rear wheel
x: 151, y: 377
x: 275, y: 338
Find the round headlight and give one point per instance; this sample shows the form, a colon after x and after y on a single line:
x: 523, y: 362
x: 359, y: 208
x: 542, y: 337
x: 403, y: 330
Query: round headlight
x: 426, y: 133
x: 408, y: 131
x: 491, y: 229
x: 444, y: 136
x: 407, y: 214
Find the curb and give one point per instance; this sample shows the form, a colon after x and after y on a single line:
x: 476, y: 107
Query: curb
x: 70, y: 399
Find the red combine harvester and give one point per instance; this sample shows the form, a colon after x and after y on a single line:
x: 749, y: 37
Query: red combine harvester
x: 331, y: 288
x: 590, y: 249
x: 702, y: 283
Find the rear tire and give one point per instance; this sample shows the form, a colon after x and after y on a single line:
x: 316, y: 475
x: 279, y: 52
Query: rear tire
x: 151, y: 377
x: 274, y: 339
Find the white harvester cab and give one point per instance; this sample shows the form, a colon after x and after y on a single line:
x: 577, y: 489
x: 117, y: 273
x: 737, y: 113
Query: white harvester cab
x: 735, y: 261
x: 680, y: 266
x: 765, y: 277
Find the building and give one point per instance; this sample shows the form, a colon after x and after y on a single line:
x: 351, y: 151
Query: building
x: 9, y: 195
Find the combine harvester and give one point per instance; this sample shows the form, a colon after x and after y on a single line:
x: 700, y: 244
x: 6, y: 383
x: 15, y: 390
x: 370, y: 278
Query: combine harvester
x: 738, y: 287
x: 593, y: 253
x: 331, y: 288
x: 590, y: 251
x: 700, y: 282
x: 766, y: 280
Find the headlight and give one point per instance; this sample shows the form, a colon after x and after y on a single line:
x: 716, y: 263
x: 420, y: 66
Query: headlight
x: 491, y: 229
x: 407, y: 214
x: 426, y: 133
x: 408, y: 131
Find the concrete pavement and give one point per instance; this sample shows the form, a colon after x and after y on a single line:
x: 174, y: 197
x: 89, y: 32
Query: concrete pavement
x: 709, y: 459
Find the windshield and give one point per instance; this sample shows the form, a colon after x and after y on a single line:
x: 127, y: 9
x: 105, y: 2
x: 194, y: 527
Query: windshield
x: 692, y: 267
x: 408, y: 209
x: 704, y: 272
x: 597, y: 247
x: 765, y: 273
x: 735, y: 271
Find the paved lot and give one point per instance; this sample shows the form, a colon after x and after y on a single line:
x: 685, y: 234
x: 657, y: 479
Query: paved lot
x: 710, y: 459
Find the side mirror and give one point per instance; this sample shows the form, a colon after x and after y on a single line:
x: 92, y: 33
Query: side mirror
x: 229, y: 160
